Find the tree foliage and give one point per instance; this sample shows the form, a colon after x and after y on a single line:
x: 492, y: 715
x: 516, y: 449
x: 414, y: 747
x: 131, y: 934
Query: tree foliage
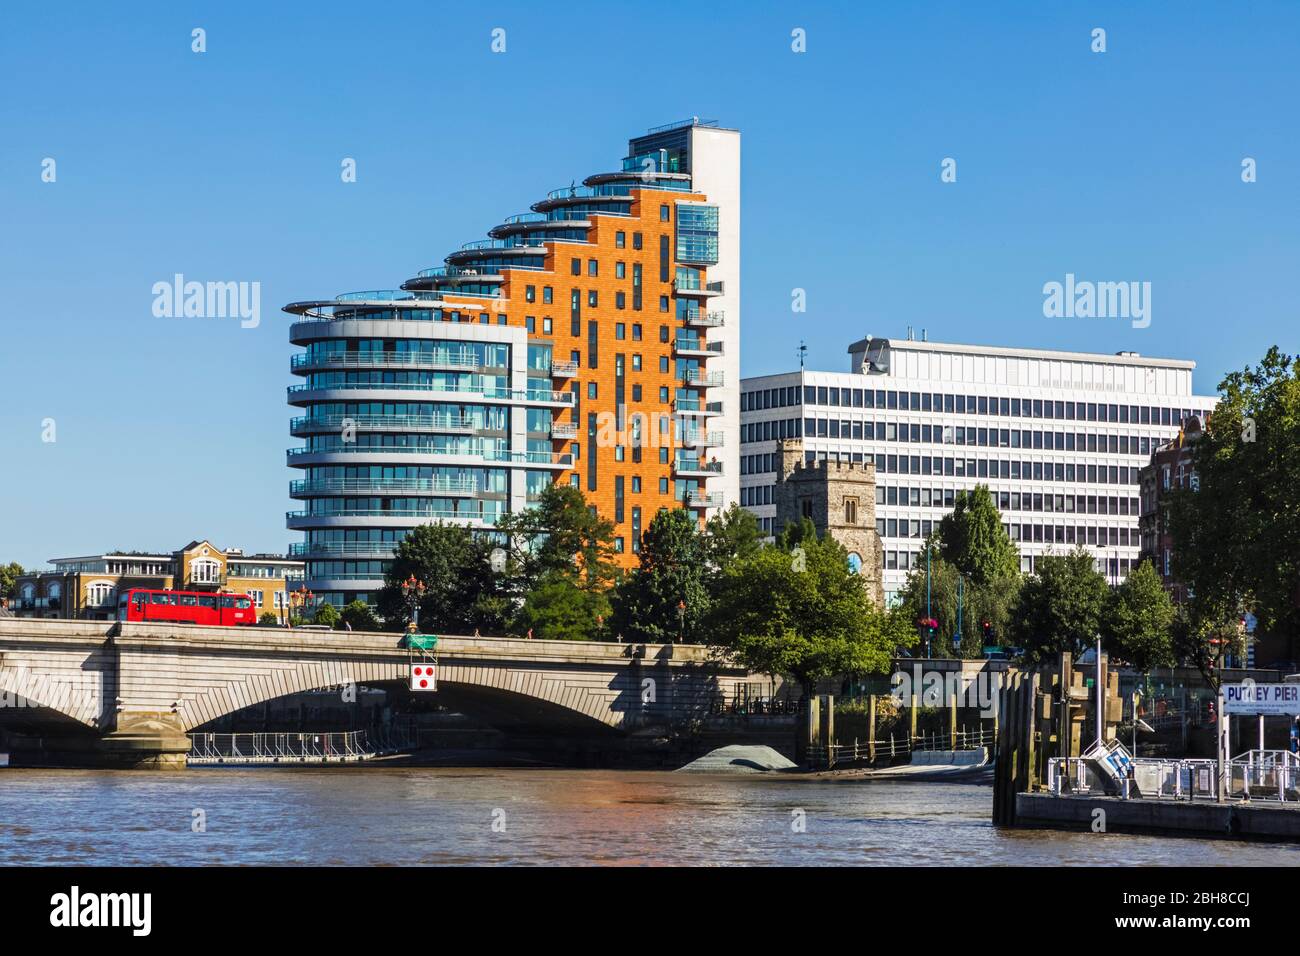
x: 1060, y: 606
x: 796, y: 609
x: 562, y: 534
x: 462, y: 591
x: 359, y: 617
x: 673, y: 571
x: 1138, y: 623
x: 1237, y: 535
x: 731, y: 534
x: 9, y: 574
x: 557, y: 608
x: 991, y: 602
x: 326, y: 614
x: 972, y: 539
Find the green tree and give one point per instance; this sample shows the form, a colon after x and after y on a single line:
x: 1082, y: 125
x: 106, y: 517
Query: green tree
x: 1060, y: 606
x: 731, y: 534
x: 991, y: 601
x: 973, y: 540
x: 673, y: 570
x: 326, y: 614
x: 359, y: 617
x: 556, y: 608
x: 1236, y: 532
x: 796, y: 609
x: 9, y: 574
x: 1138, y: 623
x: 462, y: 591
x: 268, y: 619
x: 560, y: 534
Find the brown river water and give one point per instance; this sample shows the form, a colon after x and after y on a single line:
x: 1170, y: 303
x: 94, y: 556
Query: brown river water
x: 410, y: 816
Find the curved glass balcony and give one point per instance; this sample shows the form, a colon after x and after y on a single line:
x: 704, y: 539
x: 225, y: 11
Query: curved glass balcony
x: 541, y: 458
x: 415, y: 515
x: 310, y: 424
x: 539, y: 396
x: 301, y: 549
x: 382, y: 486
x: 461, y: 360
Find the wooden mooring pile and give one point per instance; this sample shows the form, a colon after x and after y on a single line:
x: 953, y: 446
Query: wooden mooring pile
x: 1044, y: 713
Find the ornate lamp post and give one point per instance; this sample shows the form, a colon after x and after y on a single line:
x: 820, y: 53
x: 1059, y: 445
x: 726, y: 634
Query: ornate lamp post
x: 297, y: 599
x: 681, y: 621
x: 413, y: 592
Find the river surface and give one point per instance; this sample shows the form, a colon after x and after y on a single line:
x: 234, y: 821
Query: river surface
x: 408, y: 816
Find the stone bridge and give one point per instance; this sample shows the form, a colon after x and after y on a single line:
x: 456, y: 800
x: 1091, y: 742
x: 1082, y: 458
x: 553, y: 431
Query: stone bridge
x: 130, y: 692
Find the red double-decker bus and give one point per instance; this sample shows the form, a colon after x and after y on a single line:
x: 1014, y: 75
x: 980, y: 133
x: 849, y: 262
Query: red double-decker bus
x: 186, y: 607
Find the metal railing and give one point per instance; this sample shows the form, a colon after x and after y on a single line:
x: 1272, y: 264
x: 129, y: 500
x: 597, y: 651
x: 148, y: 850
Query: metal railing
x: 888, y: 748
x: 271, y: 748
x: 702, y: 499
x: 699, y: 377
x: 699, y: 317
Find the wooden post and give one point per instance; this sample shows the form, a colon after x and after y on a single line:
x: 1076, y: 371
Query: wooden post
x: 912, y: 709
x: 871, y: 729
x: 952, y: 720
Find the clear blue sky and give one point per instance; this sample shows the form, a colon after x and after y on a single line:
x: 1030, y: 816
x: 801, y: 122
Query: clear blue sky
x: 225, y: 166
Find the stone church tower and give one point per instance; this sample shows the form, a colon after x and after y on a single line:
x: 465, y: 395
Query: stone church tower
x: 839, y: 497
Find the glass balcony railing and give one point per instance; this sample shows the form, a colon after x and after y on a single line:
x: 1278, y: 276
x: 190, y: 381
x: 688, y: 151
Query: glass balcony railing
x: 696, y: 406
x: 696, y: 345
x: 458, y: 359
x: 701, y: 318
x: 333, y: 423
x: 561, y: 459
x: 300, y: 549
x: 329, y: 486
x: 614, y: 189
x: 701, y: 378
x: 487, y: 270
x: 702, y: 499
x: 697, y: 466
x: 703, y: 439
x: 564, y: 430
x: 531, y: 395
x: 414, y: 514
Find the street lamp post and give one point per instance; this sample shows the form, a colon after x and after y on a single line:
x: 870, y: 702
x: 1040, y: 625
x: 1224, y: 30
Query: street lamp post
x: 681, y: 621
x: 299, y: 599
x: 413, y: 591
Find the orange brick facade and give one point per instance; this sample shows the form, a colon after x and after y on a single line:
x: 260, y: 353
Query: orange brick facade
x: 656, y: 328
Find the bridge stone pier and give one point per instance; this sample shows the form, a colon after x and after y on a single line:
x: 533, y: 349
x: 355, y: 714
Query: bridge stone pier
x: 92, y: 692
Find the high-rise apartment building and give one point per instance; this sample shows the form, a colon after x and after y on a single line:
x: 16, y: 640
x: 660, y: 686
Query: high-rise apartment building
x: 1058, y: 437
x: 593, y: 340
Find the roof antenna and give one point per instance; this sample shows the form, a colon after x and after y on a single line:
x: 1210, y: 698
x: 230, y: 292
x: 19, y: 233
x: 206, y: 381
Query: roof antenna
x: 803, y: 350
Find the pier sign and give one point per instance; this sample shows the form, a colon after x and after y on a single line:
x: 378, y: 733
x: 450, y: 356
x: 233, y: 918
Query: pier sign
x: 1252, y: 698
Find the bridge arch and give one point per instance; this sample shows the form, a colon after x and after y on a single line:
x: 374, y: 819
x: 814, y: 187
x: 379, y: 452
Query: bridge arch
x: 77, y: 699
x: 524, y: 695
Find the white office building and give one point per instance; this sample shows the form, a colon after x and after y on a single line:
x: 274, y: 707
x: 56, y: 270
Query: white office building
x: 1058, y: 437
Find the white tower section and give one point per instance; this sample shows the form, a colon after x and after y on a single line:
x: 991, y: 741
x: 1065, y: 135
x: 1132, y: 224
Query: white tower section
x: 715, y: 171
